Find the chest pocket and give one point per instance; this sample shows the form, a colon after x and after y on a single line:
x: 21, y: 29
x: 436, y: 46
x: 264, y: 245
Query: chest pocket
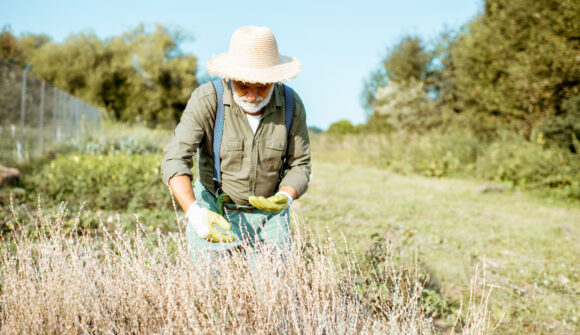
x: 274, y: 151
x: 231, y: 154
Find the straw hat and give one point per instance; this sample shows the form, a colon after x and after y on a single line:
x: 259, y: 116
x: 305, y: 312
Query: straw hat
x: 253, y: 57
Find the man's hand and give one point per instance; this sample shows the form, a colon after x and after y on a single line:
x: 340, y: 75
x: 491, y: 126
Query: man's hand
x: 203, y: 222
x: 272, y: 204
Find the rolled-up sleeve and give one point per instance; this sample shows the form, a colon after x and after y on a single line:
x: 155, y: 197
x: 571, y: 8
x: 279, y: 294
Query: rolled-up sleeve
x: 298, y: 155
x: 178, y: 154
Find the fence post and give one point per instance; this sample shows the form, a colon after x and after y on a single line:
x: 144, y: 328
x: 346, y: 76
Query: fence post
x: 42, y: 83
x: 20, y: 144
x: 54, y: 111
x: 77, y: 118
x: 66, y: 117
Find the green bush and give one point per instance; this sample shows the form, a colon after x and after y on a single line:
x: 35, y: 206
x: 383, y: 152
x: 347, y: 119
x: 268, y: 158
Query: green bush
x: 113, y: 182
x: 343, y: 127
x: 561, y: 131
x: 457, y: 153
x: 435, y: 154
x: 528, y: 165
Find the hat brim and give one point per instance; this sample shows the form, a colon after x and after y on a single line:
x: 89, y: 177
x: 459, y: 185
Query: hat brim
x: 223, y: 66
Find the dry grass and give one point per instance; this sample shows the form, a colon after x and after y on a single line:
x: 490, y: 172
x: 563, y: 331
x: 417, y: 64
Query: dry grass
x: 54, y: 282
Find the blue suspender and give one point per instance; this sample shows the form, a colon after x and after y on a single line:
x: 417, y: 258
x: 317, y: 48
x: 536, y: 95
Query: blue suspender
x: 218, y: 128
x: 289, y: 108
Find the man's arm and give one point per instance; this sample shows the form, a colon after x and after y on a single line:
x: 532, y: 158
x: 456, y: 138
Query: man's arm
x: 181, y: 188
x: 290, y: 190
x: 295, y: 182
x: 187, y: 137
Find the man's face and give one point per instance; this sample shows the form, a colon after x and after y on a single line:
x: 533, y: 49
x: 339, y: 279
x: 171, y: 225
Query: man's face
x: 252, y: 92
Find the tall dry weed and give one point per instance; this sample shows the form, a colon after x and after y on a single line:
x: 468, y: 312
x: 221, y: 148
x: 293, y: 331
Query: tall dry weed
x: 55, y: 282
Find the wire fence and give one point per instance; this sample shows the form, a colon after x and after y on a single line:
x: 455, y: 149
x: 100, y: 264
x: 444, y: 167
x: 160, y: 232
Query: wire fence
x: 36, y: 116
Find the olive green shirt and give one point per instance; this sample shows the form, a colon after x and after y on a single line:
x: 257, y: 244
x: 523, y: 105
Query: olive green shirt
x: 250, y: 164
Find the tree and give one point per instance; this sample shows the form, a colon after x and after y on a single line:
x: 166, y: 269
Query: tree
x: 517, y: 63
x: 405, y: 106
x: 342, y: 127
x: 399, y: 92
x: 407, y: 61
x: 139, y: 75
x: 16, y: 50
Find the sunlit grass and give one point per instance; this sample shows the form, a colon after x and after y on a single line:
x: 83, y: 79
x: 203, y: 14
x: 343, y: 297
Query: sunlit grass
x: 59, y: 280
x: 529, y: 243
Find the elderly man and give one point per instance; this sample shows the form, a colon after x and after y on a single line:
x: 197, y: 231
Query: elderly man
x: 254, y: 155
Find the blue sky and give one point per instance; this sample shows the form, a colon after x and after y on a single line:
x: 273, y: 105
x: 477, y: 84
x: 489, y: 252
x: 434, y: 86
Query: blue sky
x: 338, y: 42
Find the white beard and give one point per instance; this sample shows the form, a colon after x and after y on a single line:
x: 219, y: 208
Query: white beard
x: 252, y: 107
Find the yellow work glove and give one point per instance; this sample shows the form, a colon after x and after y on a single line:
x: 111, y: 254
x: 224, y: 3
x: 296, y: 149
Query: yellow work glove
x: 203, y: 222
x: 272, y: 204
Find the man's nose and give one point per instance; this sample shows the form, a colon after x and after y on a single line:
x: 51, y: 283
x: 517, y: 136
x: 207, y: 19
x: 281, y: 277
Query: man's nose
x: 252, y: 94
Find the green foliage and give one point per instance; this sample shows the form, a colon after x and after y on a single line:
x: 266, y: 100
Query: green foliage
x: 406, y: 61
x: 406, y: 106
x: 17, y: 50
x: 517, y: 63
x: 342, y: 127
x: 137, y: 76
x: 457, y: 153
x: 433, y: 155
x: 115, y: 182
x: 376, y: 79
x: 530, y: 166
x: 511, y: 68
x: 403, y: 93
x: 561, y: 131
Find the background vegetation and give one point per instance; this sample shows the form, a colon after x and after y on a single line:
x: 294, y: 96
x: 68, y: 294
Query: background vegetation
x: 116, y: 73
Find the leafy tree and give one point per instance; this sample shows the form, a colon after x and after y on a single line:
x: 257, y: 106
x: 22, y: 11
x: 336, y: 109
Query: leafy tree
x: 402, y: 93
x: 405, y: 106
x: 517, y: 63
x: 561, y: 131
x: 375, y: 80
x: 137, y: 76
x: 9, y: 46
x: 407, y: 60
x: 17, y: 50
x: 342, y: 127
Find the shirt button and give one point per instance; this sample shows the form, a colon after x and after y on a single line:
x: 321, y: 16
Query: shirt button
x: 253, y: 142
x: 253, y: 168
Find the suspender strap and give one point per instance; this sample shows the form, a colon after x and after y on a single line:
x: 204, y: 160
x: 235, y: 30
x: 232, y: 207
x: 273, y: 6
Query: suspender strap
x: 289, y: 109
x: 217, y: 134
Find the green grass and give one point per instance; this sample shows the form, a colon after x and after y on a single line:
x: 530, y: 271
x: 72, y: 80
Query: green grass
x: 529, y: 241
x: 530, y: 245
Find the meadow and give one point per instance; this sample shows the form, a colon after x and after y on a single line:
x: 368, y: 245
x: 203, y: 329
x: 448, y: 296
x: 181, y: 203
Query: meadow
x: 91, y: 241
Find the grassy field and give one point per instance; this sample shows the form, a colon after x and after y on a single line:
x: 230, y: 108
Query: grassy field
x: 521, y: 245
x: 530, y: 245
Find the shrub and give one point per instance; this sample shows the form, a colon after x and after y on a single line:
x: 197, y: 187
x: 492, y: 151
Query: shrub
x: 458, y: 153
x: 115, y: 182
x: 561, y: 131
x: 342, y: 127
x: 529, y: 165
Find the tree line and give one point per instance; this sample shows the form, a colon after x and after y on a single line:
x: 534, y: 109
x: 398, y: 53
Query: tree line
x: 140, y: 75
x: 514, y: 67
